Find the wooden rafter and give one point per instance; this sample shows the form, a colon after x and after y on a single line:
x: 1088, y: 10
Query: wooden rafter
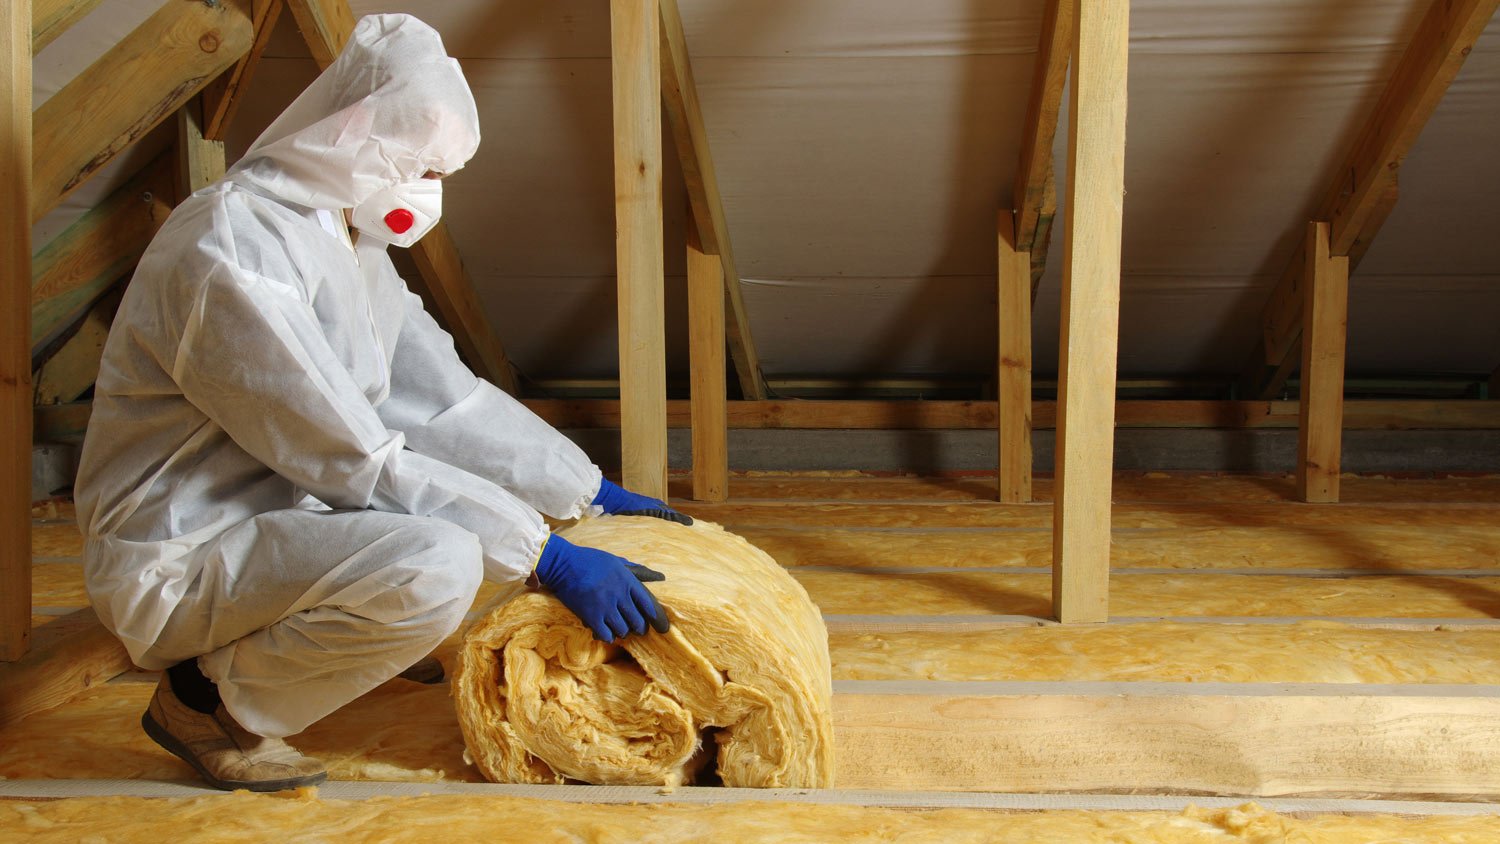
x: 1090, y: 313
x: 635, y: 62
x: 222, y: 97
x: 1034, y: 197
x: 200, y: 160
x: 680, y: 101
x: 143, y: 79
x: 327, y: 25
x: 100, y: 248
x: 15, y: 350
x: 51, y: 18
x: 75, y: 367
x: 1363, y: 186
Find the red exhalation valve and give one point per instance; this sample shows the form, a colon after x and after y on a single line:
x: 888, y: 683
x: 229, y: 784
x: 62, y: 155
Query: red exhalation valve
x: 400, y: 220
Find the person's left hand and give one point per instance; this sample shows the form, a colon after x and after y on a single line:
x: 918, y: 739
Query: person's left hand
x: 618, y: 501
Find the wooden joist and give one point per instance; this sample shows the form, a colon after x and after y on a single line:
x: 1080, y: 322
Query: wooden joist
x: 635, y: 39
x: 326, y: 25
x: 680, y: 102
x: 51, y: 18
x: 79, y: 265
x: 1090, y: 312
x: 1014, y: 366
x: 1417, y: 414
x: 15, y: 346
x: 71, y: 655
x: 143, y: 79
x: 1321, y: 409
x: 1034, y: 201
x: 1218, y: 738
x: 1363, y: 186
x: 222, y: 97
x: 705, y: 281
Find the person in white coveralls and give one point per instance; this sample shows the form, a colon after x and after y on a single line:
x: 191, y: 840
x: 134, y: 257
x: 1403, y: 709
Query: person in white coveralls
x: 291, y: 486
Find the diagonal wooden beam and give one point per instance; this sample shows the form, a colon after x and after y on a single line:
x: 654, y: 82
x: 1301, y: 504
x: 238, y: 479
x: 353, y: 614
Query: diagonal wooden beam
x: 1362, y: 190
x: 51, y: 18
x: 1034, y: 196
x: 221, y: 99
x: 142, y: 80
x: 680, y: 101
x: 327, y: 25
x: 79, y: 265
x: 69, y: 373
x: 15, y: 317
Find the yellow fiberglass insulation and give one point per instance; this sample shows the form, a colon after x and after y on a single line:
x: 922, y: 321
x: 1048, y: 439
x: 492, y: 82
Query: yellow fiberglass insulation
x: 540, y: 700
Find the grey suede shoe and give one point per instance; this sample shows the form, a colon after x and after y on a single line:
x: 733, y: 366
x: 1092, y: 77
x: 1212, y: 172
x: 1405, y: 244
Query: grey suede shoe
x: 225, y: 754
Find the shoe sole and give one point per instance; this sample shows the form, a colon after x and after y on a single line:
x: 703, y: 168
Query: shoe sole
x: 170, y: 744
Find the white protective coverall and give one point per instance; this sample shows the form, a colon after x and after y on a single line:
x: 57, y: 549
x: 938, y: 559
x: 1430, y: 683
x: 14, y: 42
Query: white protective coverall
x: 289, y: 471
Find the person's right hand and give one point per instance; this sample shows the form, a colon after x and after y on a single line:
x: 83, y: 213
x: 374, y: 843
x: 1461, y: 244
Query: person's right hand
x: 603, y: 590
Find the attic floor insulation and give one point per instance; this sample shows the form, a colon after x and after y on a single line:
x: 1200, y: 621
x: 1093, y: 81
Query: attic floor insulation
x: 893, y: 596
x: 246, y: 817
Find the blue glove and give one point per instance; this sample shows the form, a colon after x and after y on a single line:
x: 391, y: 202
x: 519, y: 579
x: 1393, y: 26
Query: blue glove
x: 603, y: 590
x: 618, y: 501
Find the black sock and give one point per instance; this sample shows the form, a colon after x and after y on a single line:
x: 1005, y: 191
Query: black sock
x: 192, y: 688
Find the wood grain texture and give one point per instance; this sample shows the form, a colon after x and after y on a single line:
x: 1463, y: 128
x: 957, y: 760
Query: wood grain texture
x: 142, y: 80
x: 1014, y: 366
x: 15, y: 349
x: 222, y: 96
x: 200, y: 161
x: 1321, y: 409
x: 1362, y: 188
x: 326, y: 26
x: 71, y: 656
x: 101, y: 247
x: 1124, y: 737
x: 51, y: 18
x: 636, y: 63
x: 75, y: 367
x: 705, y: 282
x: 685, y: 116
x: 1034, y: 197
x: 1090, y: 312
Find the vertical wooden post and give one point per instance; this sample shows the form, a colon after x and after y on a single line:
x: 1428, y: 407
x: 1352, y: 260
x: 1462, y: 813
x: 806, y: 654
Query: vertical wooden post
x: 1015, y: 365
x: 1320, y: 414
x: 705, y: 282
x: 200, y: 161
x: 635, y: 43
x: 1090, y: 312
x: 15, y: 347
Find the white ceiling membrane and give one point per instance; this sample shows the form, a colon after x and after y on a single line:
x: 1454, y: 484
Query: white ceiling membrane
x: 864, y: 146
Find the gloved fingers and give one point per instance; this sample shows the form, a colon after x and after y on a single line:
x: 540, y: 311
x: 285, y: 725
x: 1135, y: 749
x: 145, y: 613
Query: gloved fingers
x: 664, y: 512
x: 650, y: 608
x: 600, y: 630
x: 632, y: 617
x: 616, y: 624
x: 643, y: 574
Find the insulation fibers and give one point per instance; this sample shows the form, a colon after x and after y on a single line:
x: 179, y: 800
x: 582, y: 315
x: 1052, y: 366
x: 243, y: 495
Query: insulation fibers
x: 539, y: 700
x: 253, y: 817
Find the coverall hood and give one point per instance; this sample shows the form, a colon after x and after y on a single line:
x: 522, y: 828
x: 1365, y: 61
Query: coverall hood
x: 392, y: 107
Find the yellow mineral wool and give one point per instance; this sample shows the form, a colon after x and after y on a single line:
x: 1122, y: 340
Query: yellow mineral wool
x: 539, y: 700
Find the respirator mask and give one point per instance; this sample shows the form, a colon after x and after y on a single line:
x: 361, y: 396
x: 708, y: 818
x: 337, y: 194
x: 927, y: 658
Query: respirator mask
x: 402, y: 213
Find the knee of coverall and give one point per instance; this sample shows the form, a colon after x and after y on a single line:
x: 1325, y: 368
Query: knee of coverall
x: 445, y: 568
